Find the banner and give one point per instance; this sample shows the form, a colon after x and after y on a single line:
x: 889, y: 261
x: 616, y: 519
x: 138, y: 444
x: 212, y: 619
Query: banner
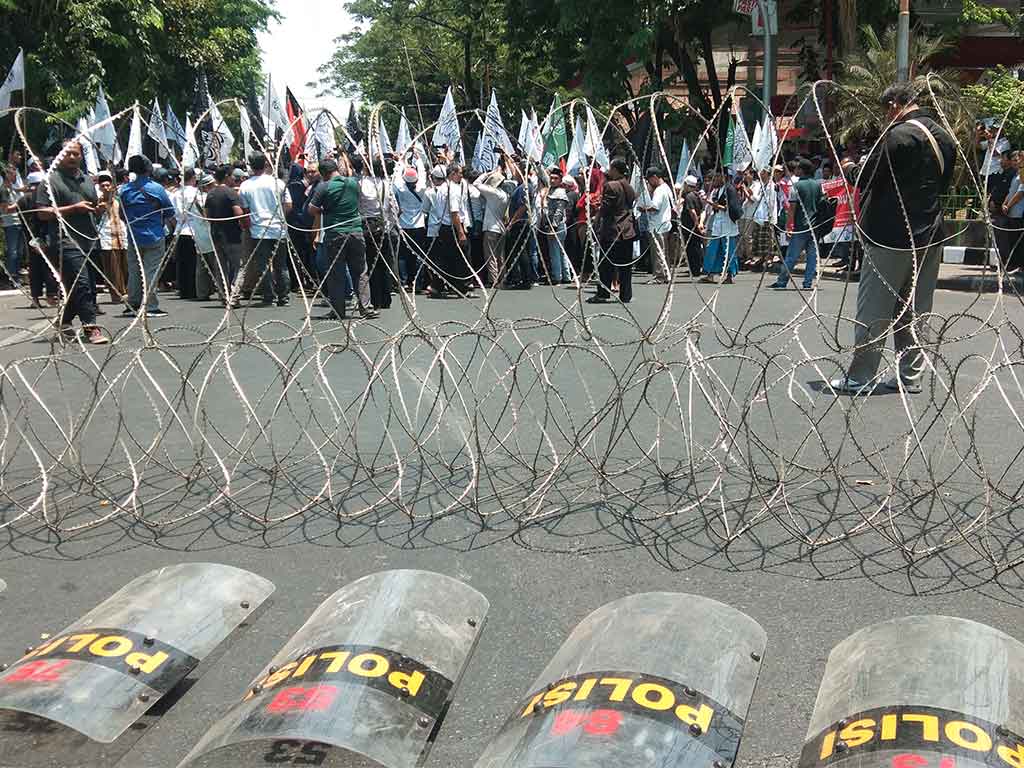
x: 494, y: 135
x: 684, y: 163
x: 352, y: 127
x: 297, y: 123
x: 135, y: 134
x: 173, y: 127
x: 446, y: 132
x: 594, y: 145
x: 189, y: 152
x: 156, y: 130
x: 404, y: 140
x: 224, y: 141
x: 577, y: 160
x: 105, y: 134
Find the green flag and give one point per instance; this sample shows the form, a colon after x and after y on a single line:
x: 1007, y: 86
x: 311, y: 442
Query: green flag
x: 556, y: 144
x: 730, y: 144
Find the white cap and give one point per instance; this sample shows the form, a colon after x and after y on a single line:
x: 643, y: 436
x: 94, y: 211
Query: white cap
x: 691, y: 180
x: 36, y: 177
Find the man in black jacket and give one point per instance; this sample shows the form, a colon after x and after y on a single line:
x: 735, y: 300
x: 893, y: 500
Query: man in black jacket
x: 901, y: 218
x: 616, y: 234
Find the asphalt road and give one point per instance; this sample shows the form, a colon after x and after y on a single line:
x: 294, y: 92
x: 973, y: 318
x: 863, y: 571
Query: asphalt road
x: 713, y: 482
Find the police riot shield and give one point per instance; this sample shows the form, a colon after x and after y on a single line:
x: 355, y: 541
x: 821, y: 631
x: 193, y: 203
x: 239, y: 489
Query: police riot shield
x: 920, y: 692
x: 366, y: 681
x: 648, y: 680
x: 100, y: 674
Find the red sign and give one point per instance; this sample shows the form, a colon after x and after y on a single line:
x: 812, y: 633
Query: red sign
x: 840, y: 190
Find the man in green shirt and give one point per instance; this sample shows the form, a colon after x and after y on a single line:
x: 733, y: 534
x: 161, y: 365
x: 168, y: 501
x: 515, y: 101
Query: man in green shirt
x: 335, y: 207
x: 805, y: 198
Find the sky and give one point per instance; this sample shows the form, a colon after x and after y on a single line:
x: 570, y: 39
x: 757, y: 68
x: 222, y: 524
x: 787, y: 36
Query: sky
x: 296, y: 46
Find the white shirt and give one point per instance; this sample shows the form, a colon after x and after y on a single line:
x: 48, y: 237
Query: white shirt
x: 496, y: 208
x: 264, y: 197
x: 183, y: 199
x: 370, y: 192
x: 200, y: 226
x: 755, y: 194
x: 433, y: 207
x: 765, y: 207
x: 457, y: 197
x: 721, y: 224
x: 660, y: 219
x: 476, y: 204
x: 410, y: 205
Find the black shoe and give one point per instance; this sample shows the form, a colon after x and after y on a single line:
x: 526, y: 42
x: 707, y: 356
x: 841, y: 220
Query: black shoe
x: 282, y: 302
x: 100, y: 311
x: 129, y: 312
x: 157, y: 313
x: 369, y: 314
x: 597, y: 300
x: 329, y: 316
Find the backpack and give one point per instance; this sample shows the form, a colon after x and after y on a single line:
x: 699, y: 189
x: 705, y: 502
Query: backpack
x: 733, y: 201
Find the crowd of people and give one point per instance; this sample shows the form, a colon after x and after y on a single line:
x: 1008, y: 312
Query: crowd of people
x: 352, y: 231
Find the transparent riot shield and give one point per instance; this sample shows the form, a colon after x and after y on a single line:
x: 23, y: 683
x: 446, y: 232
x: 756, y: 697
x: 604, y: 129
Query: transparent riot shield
x: 920, y: 692
x: 366, y: 681
x: 654, y: 679
x: 100, y: 674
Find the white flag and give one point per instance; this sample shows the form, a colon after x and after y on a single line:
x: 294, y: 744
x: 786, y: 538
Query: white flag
x: 755, y: 147
x: 189, y: 152
x: 320, y: 139
x: 741, y: 155
x: 273, y: 114
x: 173, y: 127
x: 104, y: 133
x: 15, y: 80
x: 135, y: 135
x: 156, y: 131
x: 385, y: 140
x: 684, y: 163
x: 594, y: 145
x: 764, y: 154
x: 493, y: 135
x: 576, y: 159
x: 534, y: 142
x: 404, y: 140
x: 89, y: 158
x: 227, y: 141
x: 446, y: 132
x: 245, y: 125
x: 524, y: 129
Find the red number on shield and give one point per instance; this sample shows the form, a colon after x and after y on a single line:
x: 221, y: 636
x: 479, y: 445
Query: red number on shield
x: 315, y: 699
x: 37, y: 672
x: 600, y: 722
x: 603, y: 721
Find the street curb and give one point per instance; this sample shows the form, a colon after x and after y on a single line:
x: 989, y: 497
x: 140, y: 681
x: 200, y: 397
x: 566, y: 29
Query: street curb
x: 984, y: 283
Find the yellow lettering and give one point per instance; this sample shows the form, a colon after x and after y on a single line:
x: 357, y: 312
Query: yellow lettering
x: 559, y: 694
x: 888, y: 727
x: 304, y: 666
x: 338, y: 660
x: 82, y: 641
x: 42, y: 650
x: 980, y: 741
x: 113, y: 645
x: 533, y: 704
x: 858, y: 732
x: 1012, y: 757
x: 828, y: 744
x: 378, y: 665
x: 146, y: 662
x: 654, y: 696
x: 585, y: 689
x: 620, y: 687
x: 696, y: 715
x: 280, y: 675
x: 929, y: 725
x: 407, y: 681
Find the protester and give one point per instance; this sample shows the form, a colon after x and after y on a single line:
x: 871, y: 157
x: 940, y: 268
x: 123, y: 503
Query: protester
x: 1013, y: 224
x: 721, y: 221
x: 41, y: 271
x: 224, y: 211
x: 410, y: 189
x: 185, y: 199
x: 371, y: 211
x: 113, y: 240
x: 616, y: 235
x: 805, y: 199
x: 298, y: 220
x: 266, y: 201
x: 453, y: 238
x: 842, y: 236
x: 764, y: 217
x: 67, y: 200
x: 493, y: 190
x: 206, y: 255
x: 999, y: 185
x: 147, y: 208
x: 554, y: 224
x: 433, y: 209
x: 9, y: 195
x: 691, y: 216
x: 335, y: 206
x: 909, y: 170
x: 659, y: 213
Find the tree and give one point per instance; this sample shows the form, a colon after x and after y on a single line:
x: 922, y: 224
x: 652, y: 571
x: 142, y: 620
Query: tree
x: 866, y: 75
x: 137, y: 49
x: 999, y: 94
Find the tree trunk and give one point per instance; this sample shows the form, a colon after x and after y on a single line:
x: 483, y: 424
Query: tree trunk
x: 675, y: 46
x: 848, y: 25
x: 708, y: 53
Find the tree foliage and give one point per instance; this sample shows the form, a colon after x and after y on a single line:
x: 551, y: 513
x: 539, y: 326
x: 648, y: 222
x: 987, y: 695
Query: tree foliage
x: 1000, y: 95
x: 136, y: 49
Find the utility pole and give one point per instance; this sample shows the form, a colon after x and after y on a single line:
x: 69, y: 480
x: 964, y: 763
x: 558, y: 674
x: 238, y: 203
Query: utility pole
x: 769, y: 73
x: 903, y: 43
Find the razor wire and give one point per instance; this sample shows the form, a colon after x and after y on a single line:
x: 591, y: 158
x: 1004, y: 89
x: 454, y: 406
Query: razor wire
x: 708, y: 436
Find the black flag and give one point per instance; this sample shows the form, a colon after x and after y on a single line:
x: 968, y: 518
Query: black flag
x: 259, y: 129
x: 352, y: 126
x: 207, y: 139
